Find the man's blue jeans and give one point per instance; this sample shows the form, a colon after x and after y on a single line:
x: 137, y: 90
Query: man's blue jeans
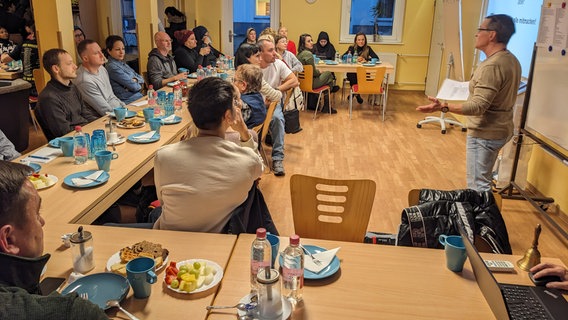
x: 481, y: 155
x: 277, y: 132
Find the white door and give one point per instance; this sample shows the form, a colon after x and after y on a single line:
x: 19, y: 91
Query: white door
x: 436, y: 51
x: 227, y: 26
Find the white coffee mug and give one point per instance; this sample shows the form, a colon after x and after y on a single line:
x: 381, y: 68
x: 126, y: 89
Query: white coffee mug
x: 113, y: 137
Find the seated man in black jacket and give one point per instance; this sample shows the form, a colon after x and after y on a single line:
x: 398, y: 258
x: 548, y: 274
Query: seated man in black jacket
x: 22, y: 258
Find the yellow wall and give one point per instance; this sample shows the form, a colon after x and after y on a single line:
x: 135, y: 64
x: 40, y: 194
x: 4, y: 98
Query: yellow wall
x: 147, y: 17
x: 208, y: 14
x: 300, y: 17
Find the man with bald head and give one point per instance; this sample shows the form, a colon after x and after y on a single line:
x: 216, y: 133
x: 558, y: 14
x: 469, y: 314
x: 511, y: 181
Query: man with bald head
x: 161, y: 65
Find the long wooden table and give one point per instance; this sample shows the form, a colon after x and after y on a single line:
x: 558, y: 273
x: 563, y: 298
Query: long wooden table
x: 376, y: 282
x: 9, y: 75
x: 64, y: 204
x: 162, y: 303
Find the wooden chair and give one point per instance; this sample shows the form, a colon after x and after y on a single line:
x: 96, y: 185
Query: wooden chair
x: 306, y: 79
x: 331, y: 209
x: 480, y: 243
x: 369, y: 81
x: 262, y: 131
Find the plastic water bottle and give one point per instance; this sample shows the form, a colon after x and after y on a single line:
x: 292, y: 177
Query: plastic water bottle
x: 349, y: 57
x: 337, y: 57
x: 200, y: 73
x: 209, y: 71
x: 150, y: 99
x: 177, y: 97
x: 260, y: 256
x: 293, y: 271
x: 355, y: 56
x: 80, y: 146
x: 231, y: 63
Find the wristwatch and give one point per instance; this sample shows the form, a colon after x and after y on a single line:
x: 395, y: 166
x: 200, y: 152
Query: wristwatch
x: 445, y: 107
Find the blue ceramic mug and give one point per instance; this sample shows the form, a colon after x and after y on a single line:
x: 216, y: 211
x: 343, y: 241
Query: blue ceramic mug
x: 148, y: 114
x: 155, y: 124
x: 141, y: 274
x: 120, y: 113
x: 455, y: 252
x: 275, y: 245
x: 104, y: 158
x: 67, y: 144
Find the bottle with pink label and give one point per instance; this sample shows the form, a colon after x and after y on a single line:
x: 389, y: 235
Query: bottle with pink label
x: 293, y: 271
x: 260, y: 257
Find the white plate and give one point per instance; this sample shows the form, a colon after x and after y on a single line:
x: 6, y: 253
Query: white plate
x: 53, y: 180
x: 286, y: 307
x: 216, y: 280
x: 120, y: 140
x: 115, y: 258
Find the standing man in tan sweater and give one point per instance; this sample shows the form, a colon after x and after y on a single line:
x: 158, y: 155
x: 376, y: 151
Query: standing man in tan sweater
x: 492, y: 94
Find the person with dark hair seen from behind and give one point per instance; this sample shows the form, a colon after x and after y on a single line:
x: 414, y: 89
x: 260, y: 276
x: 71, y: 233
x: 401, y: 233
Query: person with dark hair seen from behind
x: 250, y: 36
x: 291, y: 61
x: 9, y: 51
x: 364, y: 54
x: 161, y: 65
x: 306, y: 57
x: 200, y: 181
x: 22, y: 258
x: 78, y: 35
x: 291, y: 46
x: 60, y: 106
x: 176, y: 22
x: 126, y: 83
x: 204, y: 40
x: 492, y: 96
x: 188, y: 55
x: 323, y: 48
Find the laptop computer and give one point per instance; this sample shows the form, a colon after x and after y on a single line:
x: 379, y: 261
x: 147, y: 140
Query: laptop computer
x: 508, y: 301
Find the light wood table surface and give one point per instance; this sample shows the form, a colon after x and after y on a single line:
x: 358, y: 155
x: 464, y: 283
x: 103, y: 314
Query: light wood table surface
x: 7, y: 75
x: 64, y: 204
x: 345, y: 67
x: 162, y: 303
x: 376, y: 282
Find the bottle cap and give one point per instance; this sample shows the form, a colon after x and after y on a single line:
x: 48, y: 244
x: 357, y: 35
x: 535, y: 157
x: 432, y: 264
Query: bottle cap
x: 77, y: 128
x: 261, y: 233
x: 295, y: 239
x: 150, y: 86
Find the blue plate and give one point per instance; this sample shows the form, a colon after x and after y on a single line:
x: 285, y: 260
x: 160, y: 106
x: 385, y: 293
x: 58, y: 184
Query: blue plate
x: 129, y: 114
x: 173, y: 84
x: 176, y: 120
x: 132, y: 138
x: 35, y: 166
x: 368, y: 64
x: 102, y: 179
x: 331, y: 62
x: 54, y: 143
x: 192, y: 75
x: 328, y: 271
x: 100, y: 288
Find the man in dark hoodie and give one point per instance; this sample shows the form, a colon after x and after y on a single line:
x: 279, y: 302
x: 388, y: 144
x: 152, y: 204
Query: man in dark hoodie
x: 161, y: 65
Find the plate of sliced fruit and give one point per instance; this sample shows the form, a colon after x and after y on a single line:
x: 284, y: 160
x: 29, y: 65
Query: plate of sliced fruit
x: 42, y: 180
x: 193, y: 275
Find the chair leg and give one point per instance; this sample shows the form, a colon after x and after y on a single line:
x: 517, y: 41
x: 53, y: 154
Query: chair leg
x: 34, y: 119
x: 350, y: 103
x: 317, y: 105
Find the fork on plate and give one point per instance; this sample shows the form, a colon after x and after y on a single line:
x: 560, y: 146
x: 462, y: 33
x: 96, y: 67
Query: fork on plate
x: 315, y: 260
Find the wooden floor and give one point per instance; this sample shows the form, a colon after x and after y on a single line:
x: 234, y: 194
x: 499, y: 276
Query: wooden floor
x: 397, y: 156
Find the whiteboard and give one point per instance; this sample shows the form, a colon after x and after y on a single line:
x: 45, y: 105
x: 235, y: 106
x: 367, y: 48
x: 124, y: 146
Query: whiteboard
x: 547, y: 112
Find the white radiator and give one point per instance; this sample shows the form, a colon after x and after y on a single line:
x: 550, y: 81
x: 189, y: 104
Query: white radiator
x: 390, y: 58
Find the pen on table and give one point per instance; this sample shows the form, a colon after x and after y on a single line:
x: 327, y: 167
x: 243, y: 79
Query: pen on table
x: 39, y: 157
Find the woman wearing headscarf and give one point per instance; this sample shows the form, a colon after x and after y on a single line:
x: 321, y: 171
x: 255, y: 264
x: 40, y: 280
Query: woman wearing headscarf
x: 364, y: 54
x: 250, y: 36
x: 187, y: 55
x: 204, y: 40
x: 323, y: 49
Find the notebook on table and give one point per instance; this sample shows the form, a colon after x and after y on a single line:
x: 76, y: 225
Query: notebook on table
x: 508, y: 301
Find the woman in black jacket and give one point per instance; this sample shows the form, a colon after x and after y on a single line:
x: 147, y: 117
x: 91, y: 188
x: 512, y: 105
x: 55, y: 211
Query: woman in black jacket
x: 187, y: 55
x: 323, y: 49
x: 364, y: 54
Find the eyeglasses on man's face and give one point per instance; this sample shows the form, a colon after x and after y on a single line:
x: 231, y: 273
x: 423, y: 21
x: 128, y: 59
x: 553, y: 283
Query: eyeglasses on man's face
x: 484, y: 29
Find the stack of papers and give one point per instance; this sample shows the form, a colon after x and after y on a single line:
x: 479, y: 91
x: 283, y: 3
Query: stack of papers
x: 44, y: 155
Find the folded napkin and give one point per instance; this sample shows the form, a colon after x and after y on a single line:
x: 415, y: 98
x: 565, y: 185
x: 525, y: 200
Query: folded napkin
x: 44, y: 155
x: 170, y: 118
x: 325, y: 257
x: 145, y: 137
x: 81, y: 181
x: 139, y: 103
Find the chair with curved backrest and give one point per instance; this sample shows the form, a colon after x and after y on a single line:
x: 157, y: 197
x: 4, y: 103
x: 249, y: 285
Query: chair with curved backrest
x: 262, y: 131
x: 480, y: 243
x: 331, y: 209
x: 306, y: 79
x: 370, y: 80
